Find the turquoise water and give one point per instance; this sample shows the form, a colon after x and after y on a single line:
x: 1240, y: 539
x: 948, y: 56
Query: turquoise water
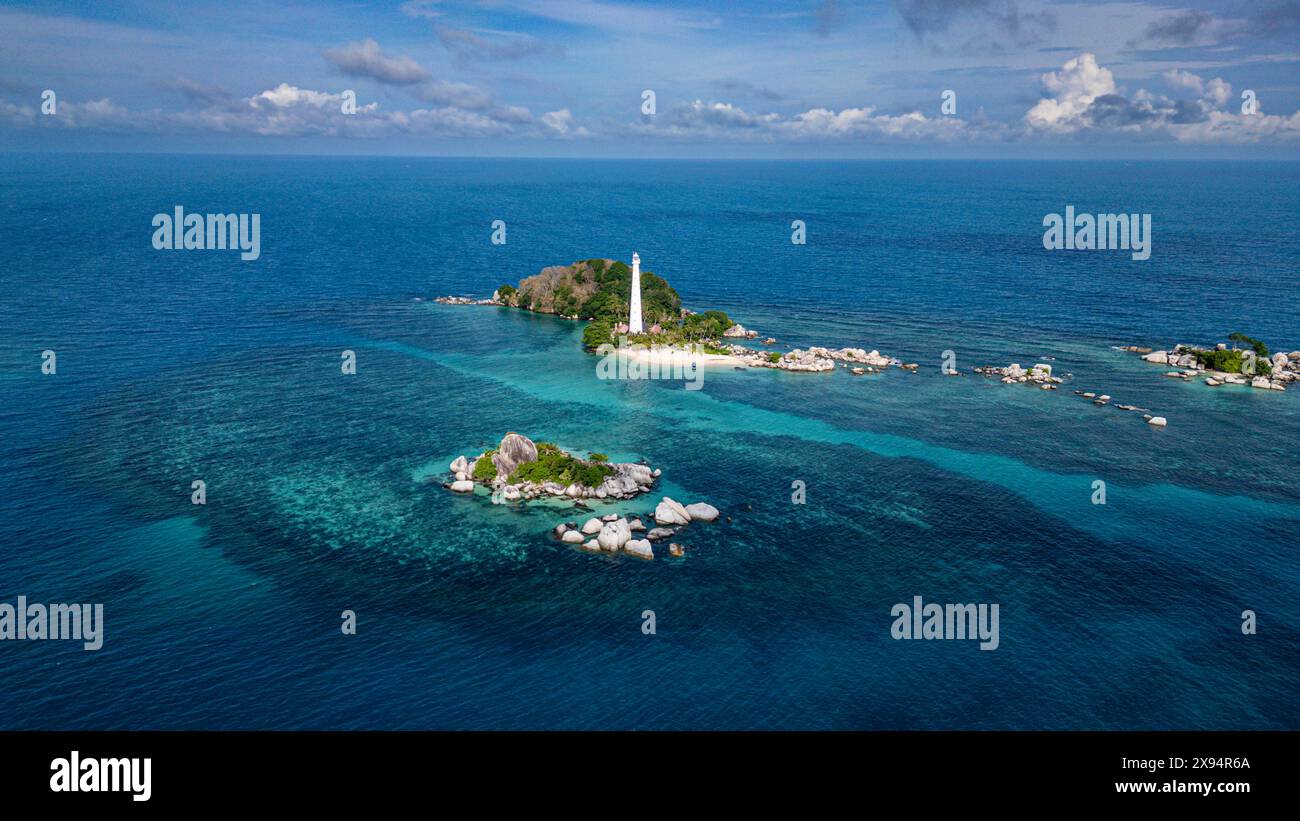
x: 181, y: 365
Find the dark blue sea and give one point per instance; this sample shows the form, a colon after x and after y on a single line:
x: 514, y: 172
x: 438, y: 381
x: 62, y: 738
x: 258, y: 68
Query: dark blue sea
x: 174, y: 366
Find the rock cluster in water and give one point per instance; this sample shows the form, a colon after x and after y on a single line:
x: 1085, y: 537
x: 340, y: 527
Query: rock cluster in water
x: 465, y: 300
x: 613, y: 534
x: 816, y: 359
x: 1102, y: 400
x: 1040, y: 375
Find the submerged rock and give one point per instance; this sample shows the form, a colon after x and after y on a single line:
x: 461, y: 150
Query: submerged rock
x: 702, y: 512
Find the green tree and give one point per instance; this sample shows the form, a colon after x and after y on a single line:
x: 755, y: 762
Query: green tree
x: 597, y: 333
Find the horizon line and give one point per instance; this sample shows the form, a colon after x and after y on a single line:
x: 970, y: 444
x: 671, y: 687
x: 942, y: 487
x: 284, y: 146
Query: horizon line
x: 14, y: 150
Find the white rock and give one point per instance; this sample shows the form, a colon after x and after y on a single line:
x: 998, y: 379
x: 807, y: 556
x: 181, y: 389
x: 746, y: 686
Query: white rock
x: 1159, y: 357
x: 591, y: 545
x: 660, y: 533
x: 461, y: 476
x: 1158, y: 421
x: 460, y: 465
x: 592, y: 525
x: 1260, y: 382
x: 511, y: 493
x: 636, y: 525
x: 572, y: 537
x: 513, y: 451
x: 669, y: 512
x: 463, y: 486
x: 702, y: 512
x: 640, y: 548
x: 614, y: 535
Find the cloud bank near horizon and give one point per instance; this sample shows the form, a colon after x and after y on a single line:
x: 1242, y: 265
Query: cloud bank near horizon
x: 465, y: 82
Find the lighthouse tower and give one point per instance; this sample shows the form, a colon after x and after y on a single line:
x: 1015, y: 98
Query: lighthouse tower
x: 634, y: 314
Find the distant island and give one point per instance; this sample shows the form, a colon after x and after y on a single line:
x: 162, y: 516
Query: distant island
x: 1223, y: 365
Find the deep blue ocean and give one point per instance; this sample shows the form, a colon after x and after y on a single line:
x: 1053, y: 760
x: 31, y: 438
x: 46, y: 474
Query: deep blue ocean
x: 181, y: 365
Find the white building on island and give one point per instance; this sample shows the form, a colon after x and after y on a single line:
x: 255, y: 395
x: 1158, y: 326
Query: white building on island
x: 634, y: 313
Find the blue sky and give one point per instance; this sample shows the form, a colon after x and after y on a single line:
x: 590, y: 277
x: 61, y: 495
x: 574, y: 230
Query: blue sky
x: 825, y: 78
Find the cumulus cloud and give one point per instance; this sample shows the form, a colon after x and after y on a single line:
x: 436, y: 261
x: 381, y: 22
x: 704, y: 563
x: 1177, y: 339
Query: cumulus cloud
x: 560, y: 124
x: 366, y: 59
x: 1085, y: 100
x: 1184, y: 79
x: 1075, y: 87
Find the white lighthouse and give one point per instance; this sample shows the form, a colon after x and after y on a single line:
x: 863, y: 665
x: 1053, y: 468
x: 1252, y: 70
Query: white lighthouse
x: 634, y: 314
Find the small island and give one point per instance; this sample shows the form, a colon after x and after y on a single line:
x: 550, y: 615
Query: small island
x: 643, y: 315
x: 518, y: 468
x: 1224, y: 365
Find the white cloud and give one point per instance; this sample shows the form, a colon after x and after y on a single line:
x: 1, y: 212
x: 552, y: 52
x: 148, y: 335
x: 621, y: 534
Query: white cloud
x: 1184, y: 79
x: 561, y: 124
x: 1076, y: 86
x: 290, y: 111
x: 1086, y: 100
x: 721, y: 120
